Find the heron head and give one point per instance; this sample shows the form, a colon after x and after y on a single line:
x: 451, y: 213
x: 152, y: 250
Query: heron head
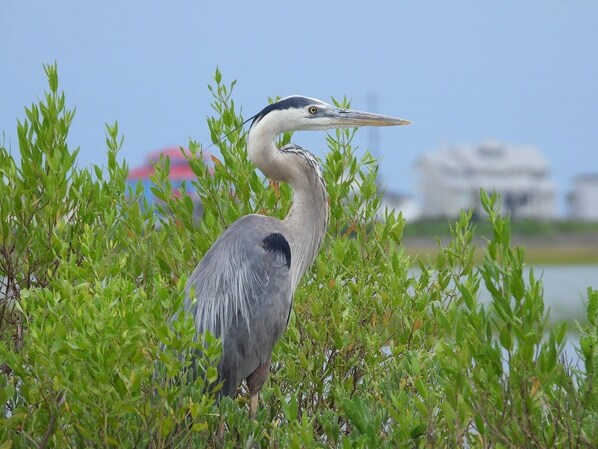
x: 296, y: 113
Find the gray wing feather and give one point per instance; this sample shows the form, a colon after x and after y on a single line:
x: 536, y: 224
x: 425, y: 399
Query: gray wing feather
x: 242, y: 293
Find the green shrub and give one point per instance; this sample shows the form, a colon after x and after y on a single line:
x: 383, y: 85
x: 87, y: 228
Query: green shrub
x: 376, y: 354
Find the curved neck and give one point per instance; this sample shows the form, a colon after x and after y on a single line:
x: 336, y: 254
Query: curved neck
x: 307, y: 219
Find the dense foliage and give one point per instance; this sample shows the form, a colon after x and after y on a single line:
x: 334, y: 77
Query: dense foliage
x: 376, y: 355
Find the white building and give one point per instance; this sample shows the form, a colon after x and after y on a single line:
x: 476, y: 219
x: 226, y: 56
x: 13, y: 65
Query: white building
x: 405, y: 204
x: 451, y: 180
x: 583, y: 201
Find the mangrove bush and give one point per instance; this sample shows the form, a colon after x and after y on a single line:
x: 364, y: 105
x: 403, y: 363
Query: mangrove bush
x: 378, y: 353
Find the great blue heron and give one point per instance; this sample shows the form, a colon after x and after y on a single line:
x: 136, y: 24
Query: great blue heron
x: 242, y: 290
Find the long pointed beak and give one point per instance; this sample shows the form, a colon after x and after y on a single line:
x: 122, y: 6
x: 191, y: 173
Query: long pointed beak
x: 350, y: 118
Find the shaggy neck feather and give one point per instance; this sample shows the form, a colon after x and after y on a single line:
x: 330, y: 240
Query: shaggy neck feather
x: 308, y: 217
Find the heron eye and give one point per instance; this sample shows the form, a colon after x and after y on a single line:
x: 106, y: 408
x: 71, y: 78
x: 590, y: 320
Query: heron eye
x: 312, y: 110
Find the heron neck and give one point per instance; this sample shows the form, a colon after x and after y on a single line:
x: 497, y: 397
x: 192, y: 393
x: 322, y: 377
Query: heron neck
x: 306, y: 221
x: 308, y: 217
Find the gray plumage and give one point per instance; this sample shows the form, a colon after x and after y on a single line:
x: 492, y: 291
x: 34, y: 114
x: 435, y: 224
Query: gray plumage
x: 242, y: 290
x: 249, y: 296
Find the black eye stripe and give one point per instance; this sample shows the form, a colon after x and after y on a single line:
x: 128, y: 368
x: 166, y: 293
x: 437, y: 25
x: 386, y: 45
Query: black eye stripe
x: 291, y: 102
x: 315, y: 108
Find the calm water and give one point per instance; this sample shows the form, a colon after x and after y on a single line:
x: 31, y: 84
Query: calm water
x: 565, y: 289
x: 565, y: 294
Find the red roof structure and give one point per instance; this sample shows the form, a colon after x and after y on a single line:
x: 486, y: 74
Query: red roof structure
x: 180, y: 171
x: 179, y: 167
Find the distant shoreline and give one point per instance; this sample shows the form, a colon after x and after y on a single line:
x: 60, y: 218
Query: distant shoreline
x: 550, y: 243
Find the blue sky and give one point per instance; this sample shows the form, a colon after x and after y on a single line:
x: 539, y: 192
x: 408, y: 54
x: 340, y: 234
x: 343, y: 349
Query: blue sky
x: 524, y: 72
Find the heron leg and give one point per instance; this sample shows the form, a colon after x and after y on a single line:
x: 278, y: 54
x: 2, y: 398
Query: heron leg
x: 255, y: 383
x: 220, y: 432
